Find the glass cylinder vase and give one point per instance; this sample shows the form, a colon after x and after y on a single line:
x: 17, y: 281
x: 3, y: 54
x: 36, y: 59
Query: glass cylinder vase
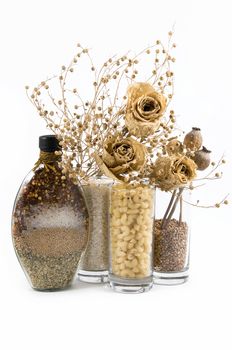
x: 94, y: 266
x: 171, y: 237
x: 131, y: 238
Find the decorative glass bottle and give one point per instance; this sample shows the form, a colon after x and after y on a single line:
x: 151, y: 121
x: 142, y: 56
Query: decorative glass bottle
x: 171, y: 237
x: 50, y: 222
x: 94, y: 266
x: 131, y: 238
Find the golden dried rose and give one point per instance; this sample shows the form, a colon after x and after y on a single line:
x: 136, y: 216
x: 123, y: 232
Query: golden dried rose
x: 121, y: 156
x: 145, y: 108
x: 173, y: 172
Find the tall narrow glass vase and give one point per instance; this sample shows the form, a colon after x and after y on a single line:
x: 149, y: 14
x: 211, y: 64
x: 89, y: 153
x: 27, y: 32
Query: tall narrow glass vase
x: 94, y: 265
x: 131, y: 238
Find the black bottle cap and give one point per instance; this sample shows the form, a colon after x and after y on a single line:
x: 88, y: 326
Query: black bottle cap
x: 49, y: 143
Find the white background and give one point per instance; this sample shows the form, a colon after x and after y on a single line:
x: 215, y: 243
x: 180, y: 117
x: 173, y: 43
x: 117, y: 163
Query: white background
x: 37, y: 37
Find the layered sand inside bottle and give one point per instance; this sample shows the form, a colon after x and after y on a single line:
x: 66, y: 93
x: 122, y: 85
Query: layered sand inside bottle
x: 51, y: 246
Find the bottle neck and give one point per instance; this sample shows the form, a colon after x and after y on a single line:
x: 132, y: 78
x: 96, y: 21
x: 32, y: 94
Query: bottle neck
x: 48, y: 159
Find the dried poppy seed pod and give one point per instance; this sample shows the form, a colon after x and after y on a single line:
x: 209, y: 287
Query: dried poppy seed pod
x: 174, y: 146
x: 193, y: 140
x: 202, y: 158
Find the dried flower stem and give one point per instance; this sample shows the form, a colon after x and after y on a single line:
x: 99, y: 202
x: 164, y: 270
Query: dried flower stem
x: 208, y: 176
x: 174, y: 206
x: 168, y: 208
x: 217, y: 205
x: 181, y: 209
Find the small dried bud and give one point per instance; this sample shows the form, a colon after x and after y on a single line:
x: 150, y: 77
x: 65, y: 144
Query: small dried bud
x: 193, y: 140
x: 202, y: 158
x: 174, y: 147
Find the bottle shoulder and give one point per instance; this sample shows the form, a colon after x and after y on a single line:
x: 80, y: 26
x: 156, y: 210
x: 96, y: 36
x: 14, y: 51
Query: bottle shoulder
x: 48, y: 187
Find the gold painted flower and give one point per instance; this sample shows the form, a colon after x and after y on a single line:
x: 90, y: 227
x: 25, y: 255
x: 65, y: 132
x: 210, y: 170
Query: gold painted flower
x: 121, y: 156
x: 173, y: 172
x: 145, y: 108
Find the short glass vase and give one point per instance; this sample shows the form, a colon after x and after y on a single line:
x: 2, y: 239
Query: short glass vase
x: 171, y: 237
